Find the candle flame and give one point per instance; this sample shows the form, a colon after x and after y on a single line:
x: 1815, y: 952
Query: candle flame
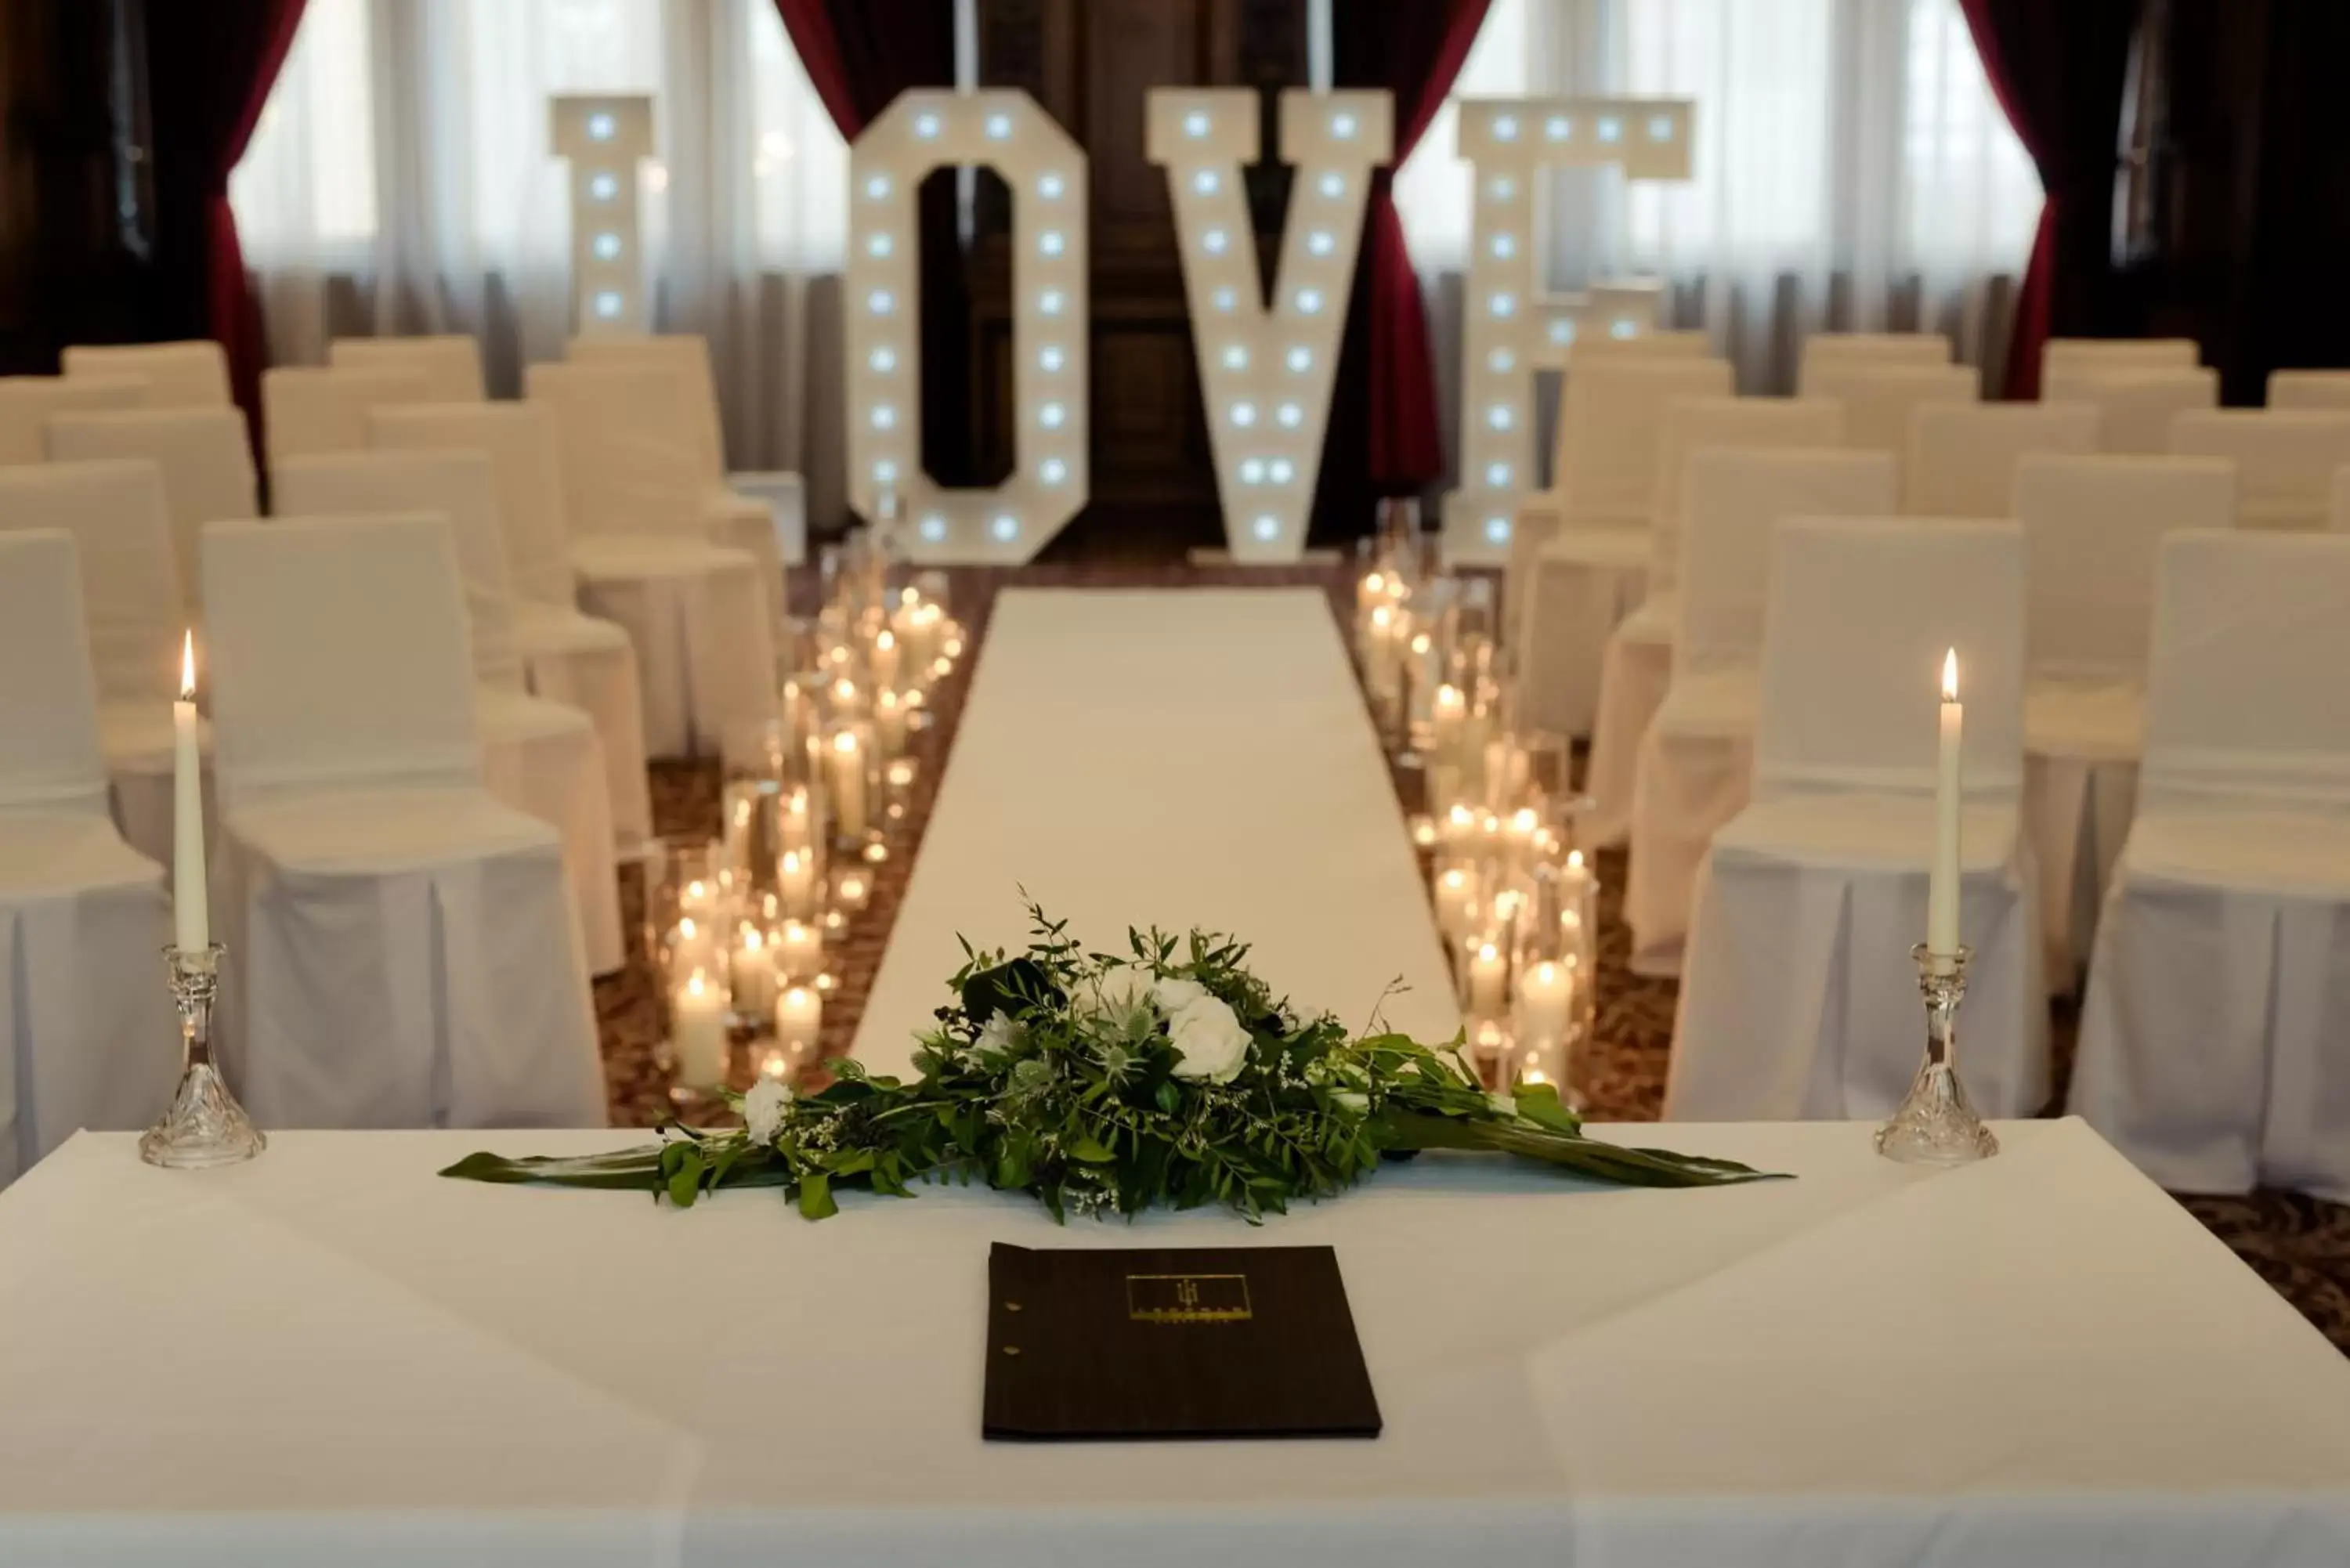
x: 886, y: 639
x: 693, y: 986
x: 1950, y: 676
x: 1487, y: 953
x: 1574, y: 859
x: 751, y: 939
x: 844, y: 743
x: 1547, y: 972
x: 188, y: 666
x: 685, y: 928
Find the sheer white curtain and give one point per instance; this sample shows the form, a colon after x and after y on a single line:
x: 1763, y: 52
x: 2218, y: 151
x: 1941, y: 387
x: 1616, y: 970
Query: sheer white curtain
x: 1852, y: 167
x: 400, y: 182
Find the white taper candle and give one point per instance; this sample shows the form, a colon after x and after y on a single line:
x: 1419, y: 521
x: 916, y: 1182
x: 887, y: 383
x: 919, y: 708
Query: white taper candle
x: 190, y: 909
x: 1943, y: 888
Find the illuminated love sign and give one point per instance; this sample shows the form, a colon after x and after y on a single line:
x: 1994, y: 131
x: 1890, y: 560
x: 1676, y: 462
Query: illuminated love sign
x: 1512, y: 327
x: 604, y: 139
x: 1004, y: 129
x: 1266, y: 373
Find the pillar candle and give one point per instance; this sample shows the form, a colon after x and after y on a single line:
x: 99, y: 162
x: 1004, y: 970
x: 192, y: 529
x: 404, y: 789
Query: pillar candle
x: 1544, y: 1004
x: 751, y: 972
x: 1448, y: 713
x: 799, y: 950
x: 1489, y: 981
x: 888, y: 722
x: 1943, y: 888
x: 190, y: 905
x: 799, y: 1015
x: 885, y: 659
x: 698, y: 1032
x: 692, y: 945
x: 1456, y: 903
x: 849, y: 784
x: 796, y: 881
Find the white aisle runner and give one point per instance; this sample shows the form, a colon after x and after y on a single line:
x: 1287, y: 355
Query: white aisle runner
x: 1187, y: 757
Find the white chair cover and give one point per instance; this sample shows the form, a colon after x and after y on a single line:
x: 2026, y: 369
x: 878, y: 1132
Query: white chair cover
x: 27, y: 402
x: 2309, y: 389
x: 307, y: 409
x: 1825, y: 348
x: 1590, y: 573
x: 86, y: 1035
x: 2092, y: 528
x: 697, y: 613
x: 2134, y: 408
x: 2213, y: 1037
x: 567, y: 657
x: 738, y: 521
x: 450, y: 362
x: 1880, y: 400
x: 1637, y: 662
x: 785, y: 496
x: 1690, y: 772
x: 2284, y: 460
x: 1799, y: 999
x: 130, y: 600
x: 405, y: 950
x: 191, y: 374
x: 1962, y: 457
x: 538, y: 756
x: 201, y: 453
x: 2063, y: 356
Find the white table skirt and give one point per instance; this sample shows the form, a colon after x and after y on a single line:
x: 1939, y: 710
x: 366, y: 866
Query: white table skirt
x: 333, y: 1356
x: 1193, y: 757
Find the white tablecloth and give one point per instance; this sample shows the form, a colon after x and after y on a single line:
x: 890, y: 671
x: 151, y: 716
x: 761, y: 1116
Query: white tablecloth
x: 330, y: 1356
x: 1194, y: 757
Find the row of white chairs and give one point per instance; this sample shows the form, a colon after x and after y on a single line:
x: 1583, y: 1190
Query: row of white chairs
x: 379, y: 865
x: 2211, y: 1037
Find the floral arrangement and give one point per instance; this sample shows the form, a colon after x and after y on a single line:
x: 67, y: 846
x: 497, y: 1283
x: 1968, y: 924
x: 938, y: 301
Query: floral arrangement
x: 1168, y: 1075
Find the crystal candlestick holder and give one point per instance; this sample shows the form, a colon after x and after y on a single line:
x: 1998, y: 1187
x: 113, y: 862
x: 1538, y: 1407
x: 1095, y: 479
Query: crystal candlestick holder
x: 1934, y: 1125
x: 205, y: 1126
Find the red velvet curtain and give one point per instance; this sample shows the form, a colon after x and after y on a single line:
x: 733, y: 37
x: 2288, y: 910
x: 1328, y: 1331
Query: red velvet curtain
x: 210, y: 69
x: 2058, y: 70
x: 859, y: 55
x: 1414, y: 49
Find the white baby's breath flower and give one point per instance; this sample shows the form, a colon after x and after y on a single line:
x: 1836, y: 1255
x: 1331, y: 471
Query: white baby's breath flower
x: 762, y: 1109
x: 1209, y: 1041
x: 1173, y: 994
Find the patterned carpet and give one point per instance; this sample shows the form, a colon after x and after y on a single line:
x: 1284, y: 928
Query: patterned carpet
x: 2299, y: 1244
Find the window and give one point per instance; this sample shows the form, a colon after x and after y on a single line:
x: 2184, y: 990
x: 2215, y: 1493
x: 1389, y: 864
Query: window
x: 306, y: 191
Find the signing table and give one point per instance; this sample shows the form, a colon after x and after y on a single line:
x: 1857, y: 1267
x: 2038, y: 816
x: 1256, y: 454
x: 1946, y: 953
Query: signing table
x: 1197, y: 757
x: 332, y: 1355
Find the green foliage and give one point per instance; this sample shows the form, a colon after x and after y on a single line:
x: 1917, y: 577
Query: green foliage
x: 1052, y: 1073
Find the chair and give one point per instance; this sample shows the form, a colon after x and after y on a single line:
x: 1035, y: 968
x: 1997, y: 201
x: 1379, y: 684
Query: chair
x: 567, y: 657
x: 2284, y: 460
x: 696, y: 613
x: 1825, y: 348
x: 201, y: 453
x: 739, y: 520
x: 2092, y: 529
x: 1638, y: 663
x: 450, y: 362
x: 2134, y: 408
x: 2212, y: 1035
x: 2063, y: 356
x: 185, y: 374
x: 1588, y: 573
x: 27, y: 402
x: 307, y: 409
x: 1799, y: 998
x: 404, y: 950
x: 130, y: 572
x: 1962, y: 457
x: 1691, y: 770
x: 1881, y: 401
x: 538, y: 756
x: 2309, y: 390
x: 87, y: 1034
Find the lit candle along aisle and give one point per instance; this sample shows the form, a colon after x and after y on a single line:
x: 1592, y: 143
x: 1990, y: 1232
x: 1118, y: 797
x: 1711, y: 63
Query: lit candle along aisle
x: 698, y: 1033
x: 1943, y: 887
x: 190, y: 902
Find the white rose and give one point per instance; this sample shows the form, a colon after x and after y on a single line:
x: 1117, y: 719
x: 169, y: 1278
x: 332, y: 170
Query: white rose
x: 1173, y: 995
x: 1209, y: 1041
x: 996, y: 1034
x: 1353, y: 1102
x: 1116, y: 992
x: 764, y: 1107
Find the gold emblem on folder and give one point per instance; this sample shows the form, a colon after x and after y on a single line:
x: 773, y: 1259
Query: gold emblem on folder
x: 1188, y: 1298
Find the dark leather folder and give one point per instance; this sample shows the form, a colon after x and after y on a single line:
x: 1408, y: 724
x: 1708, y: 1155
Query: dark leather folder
x: 1241, y: 1342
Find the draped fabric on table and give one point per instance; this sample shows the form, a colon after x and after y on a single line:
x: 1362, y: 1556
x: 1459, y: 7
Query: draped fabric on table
x: 213, y: 67
x: 2058, y: 72
x: 1387, y: 404
x: 859, y: 55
